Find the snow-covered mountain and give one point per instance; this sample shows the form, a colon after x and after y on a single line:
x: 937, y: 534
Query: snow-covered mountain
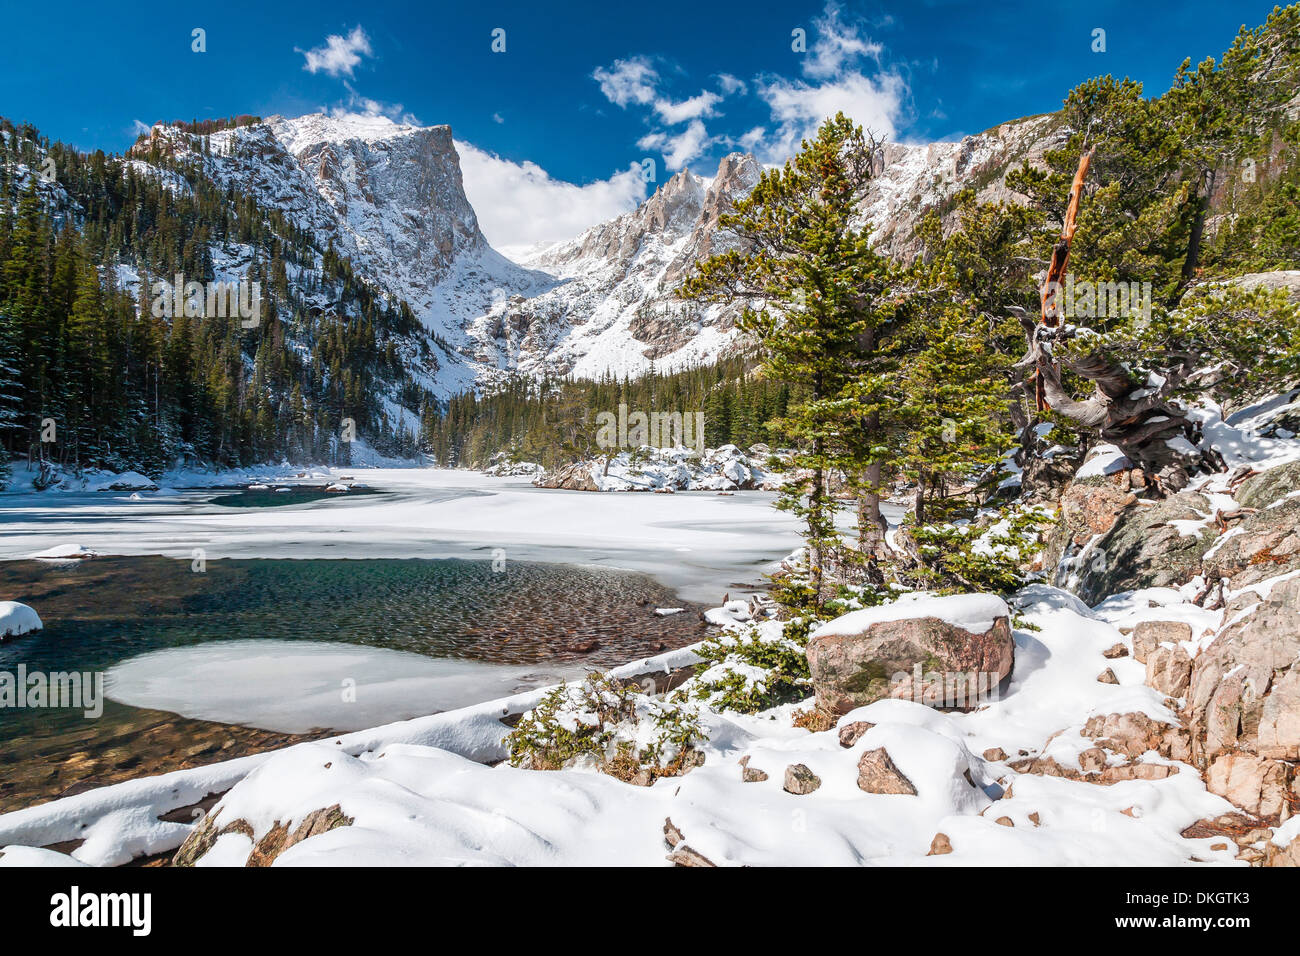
x: 614, y: 308
x: 913, y: 178
x: 391, y: 198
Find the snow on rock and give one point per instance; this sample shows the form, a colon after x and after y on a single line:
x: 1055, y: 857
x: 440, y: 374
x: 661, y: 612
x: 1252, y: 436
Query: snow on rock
x: 1103, y: 460
x: 410, y: 802
x: 1248, y: 438
x: 121, y: 821
x: 17, y: 619
x: 733, y: 612
x: 126, y: 481
x: 667, y: 469
x: 970, y: 612
x: 28, y: 856
x: 502, y: 468
x: 946, y: 651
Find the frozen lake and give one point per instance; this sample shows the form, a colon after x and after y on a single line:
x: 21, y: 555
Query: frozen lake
x: 701, y: 544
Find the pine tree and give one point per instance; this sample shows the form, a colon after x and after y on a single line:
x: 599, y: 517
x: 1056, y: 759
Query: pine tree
x: 824, y: 295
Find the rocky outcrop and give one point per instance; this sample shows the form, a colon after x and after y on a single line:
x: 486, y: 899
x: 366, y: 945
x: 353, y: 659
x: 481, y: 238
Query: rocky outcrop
x: 1148, y: 635
x: 1269, y: 487
x: 726, y: 468
x: 1231, y: 703
x: 912, y: 179
x: 1242, y: 690
x: 1264, y: 545
x: 868, y: 655
x: 1111, y: 541
x: 576, y: 476
x: 264, y: 850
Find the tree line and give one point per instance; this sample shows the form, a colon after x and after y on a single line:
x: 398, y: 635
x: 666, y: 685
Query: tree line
x: 90, y: 377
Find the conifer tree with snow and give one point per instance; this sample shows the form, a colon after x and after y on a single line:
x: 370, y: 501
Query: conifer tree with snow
x: 818, y: 302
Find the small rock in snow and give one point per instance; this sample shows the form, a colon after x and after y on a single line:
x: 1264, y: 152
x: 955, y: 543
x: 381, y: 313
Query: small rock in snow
x: 940, y: 845
x: 877, y: 774
x: 852, y: 732
x: 799, y: 780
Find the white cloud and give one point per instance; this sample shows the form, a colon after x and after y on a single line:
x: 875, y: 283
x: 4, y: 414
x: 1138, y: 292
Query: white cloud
x: 520, y: 204
x: 678, y: 148
x: 139, y: 128
x: 688, y: 109
x: 837, y: 47
x: 833, y: 82
x: 340, y: 55
x: 628, y: 81
x: 365, y: 106
x: 635, y: 81
x: 497, y: 118
x: 799, y: 108
x: 730, y: 84
x: 753, y: 137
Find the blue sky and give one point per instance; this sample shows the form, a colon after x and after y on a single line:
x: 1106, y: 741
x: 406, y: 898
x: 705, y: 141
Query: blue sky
x: 550, y: 127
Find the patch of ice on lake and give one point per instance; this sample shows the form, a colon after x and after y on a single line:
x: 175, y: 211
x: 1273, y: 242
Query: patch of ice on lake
x: 298, y: 686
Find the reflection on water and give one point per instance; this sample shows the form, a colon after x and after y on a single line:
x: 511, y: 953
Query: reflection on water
x: 99, y: 613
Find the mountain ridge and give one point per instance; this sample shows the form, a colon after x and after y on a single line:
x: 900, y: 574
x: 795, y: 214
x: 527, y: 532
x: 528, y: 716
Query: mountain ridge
x: 391, y: 197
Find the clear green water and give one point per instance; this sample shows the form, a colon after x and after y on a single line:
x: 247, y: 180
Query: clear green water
x: 99, y: 613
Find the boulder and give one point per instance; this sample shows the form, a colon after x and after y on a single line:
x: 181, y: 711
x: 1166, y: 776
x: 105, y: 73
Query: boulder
x: 877, y: 774
x: 940, y: 845
x: 1252, y: 783
x: 1169, y: 670
x: 960, y: 646
x: 1142, y: 549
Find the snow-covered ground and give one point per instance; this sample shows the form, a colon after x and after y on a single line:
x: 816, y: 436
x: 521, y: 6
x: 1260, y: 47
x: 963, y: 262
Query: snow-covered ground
x: 419, y: 792
x: 433, y: 790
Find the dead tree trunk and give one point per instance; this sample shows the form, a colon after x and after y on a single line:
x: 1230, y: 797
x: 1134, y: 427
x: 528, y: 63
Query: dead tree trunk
x: 1134, y: 415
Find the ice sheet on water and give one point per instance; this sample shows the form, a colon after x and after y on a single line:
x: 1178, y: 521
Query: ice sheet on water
x: 298, y: 686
